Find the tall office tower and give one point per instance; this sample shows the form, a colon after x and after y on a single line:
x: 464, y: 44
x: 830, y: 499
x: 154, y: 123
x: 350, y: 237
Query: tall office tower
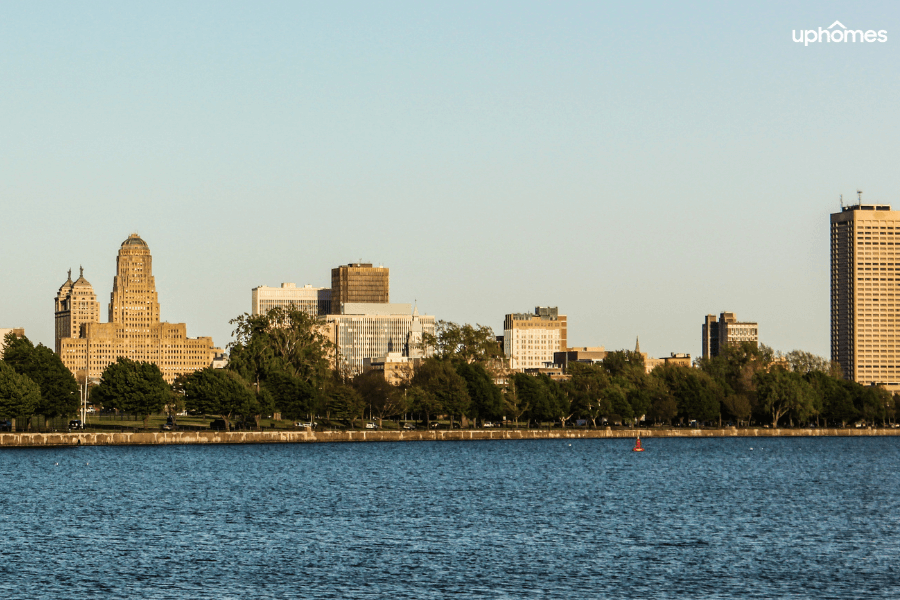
x: 134, y: 330
x: 530, y: 340
x: 312, y: 300
x: 865, y: 294
x: 728, y: 331
x: 76, y: 304
x: 357, y: 283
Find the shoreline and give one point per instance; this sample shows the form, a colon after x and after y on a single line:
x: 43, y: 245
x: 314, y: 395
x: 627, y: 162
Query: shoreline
x: 163, y: 438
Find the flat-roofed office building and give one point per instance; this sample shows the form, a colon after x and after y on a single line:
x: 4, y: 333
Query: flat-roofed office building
x: 311, y: 300
x: 726, y: 331
x: 359, y: 283
x: 531, y: 339
x: 377, y: 331
x: 865, y: 294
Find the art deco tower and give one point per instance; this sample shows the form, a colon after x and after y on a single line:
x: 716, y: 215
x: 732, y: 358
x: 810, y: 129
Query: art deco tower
x: 133, y: 301
x: 134, y: 330
x: 865, y: 294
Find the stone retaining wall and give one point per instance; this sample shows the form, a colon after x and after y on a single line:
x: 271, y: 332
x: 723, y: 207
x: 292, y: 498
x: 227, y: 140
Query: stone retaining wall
x: 23, y: 440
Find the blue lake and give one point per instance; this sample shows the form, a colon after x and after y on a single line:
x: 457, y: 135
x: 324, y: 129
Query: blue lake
x: 698, y: 518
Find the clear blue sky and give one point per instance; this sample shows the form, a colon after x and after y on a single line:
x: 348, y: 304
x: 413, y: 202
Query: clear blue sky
x: 638, y: 165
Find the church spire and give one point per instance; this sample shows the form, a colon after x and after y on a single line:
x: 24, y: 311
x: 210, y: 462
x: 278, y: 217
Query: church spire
x: 637, y: 345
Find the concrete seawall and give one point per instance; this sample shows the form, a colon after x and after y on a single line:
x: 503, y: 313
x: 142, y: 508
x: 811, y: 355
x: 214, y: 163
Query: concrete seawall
x: 37, y: 440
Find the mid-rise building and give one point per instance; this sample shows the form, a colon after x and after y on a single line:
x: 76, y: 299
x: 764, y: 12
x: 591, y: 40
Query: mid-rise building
x: 76, y: 304
x: 134, y: 329
x: 583, y: 354
x: 377, y: 331
x: 726, y: 331
x: 312, y: 300
x: 865, y: 294
x: 17, y: 331
x: 359, y: 283
x: 530, y: 340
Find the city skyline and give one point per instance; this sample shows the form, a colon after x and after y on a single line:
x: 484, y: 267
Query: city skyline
x: 637, y: 166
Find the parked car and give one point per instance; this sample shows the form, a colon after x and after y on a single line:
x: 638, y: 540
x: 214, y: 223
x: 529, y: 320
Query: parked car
x: 488, y: 424
x: 75, y: 424
x: 409, y: 426
x: 305, y: 425
x: 371, y: 425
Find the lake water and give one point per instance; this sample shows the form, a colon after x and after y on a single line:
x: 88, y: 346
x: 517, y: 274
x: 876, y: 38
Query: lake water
x: 688, y: 518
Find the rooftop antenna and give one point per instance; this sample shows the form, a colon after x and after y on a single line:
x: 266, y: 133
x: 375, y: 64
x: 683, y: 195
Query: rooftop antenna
x: 859, y: 196
x: 842, y: 201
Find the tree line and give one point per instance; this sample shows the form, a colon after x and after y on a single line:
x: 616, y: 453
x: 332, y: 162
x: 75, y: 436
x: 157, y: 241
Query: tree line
x: 281, y: 362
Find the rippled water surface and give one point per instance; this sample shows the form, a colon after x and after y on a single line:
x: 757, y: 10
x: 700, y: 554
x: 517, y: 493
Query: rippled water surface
x: 712, y: 518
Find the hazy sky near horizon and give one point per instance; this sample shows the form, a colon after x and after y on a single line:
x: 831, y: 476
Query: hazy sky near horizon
x: 638, y: 165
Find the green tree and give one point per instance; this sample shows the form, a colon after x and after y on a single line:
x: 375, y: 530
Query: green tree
x: 514, y: 405
x: 133, y: 387
x: 19, y: 395
x: 382, y: 398
x: 221, y: 393
x: 486, y: 399
x: 423, y: 402
x: 440, y: 379
x: 780, y: 392
x: 294, y: 397
x: 284, y: 340
x: 543, y: 396
x: 586, y: 385
x: 694, y: 391
x: 59, y: 390
x: 344, y: 400
x: 875, y: 403
x: 470, y: 344
x: 805, y: 362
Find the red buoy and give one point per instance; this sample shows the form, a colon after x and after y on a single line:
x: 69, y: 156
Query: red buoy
x: 637, y: 445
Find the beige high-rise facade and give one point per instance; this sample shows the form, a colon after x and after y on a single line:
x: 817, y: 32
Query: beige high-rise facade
x: 359, y: 283
x: 76, y: 304
x: 312, y: 300
x: 530, y: 340
x: 865, y: 294
x: 134, y: 330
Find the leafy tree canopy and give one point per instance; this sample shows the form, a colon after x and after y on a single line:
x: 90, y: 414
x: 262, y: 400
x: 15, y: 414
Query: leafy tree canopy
x: 133, y: 387
x: 19, y: 395
x: 59, y: 390
x: 467, y: 343
x: 286, y: 340
x: 219, y: 392
x: 440, y: 379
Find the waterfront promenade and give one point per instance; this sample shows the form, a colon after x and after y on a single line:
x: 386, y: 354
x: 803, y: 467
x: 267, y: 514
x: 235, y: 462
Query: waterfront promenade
x: 27, y: 440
